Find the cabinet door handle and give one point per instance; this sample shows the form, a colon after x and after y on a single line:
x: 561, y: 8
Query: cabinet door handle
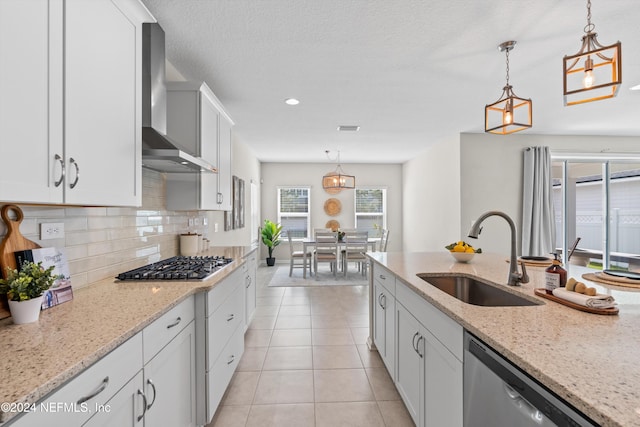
x: 153, y: 386
x: 220, y: 198
x: 62, y: 171
x: 144, y: 405
x: 248, y: 281
x: 384, y: 302
x: 383, y: 277
x: 100, y: 389
x: 418, y: 346
x: 75, y: 164
x: 413, y: 342
x: 231, y: 317
x: 380, y: 300
x: 231, y: 359
x: 176, y: 323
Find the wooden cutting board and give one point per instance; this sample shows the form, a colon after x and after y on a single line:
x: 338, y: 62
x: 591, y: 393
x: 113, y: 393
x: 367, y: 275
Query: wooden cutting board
x: 13, y: 241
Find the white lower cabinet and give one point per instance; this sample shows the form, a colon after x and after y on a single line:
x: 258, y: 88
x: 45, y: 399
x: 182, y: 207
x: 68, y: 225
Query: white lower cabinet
x: 429, y: 361
x: 147, y: 381
x: 169, y: 383
x: 384, y: 325
x: 125, y: 409
x: 78, y: 400
x: 410, y: 367
x: 220, y: 320
x: 250, y: 288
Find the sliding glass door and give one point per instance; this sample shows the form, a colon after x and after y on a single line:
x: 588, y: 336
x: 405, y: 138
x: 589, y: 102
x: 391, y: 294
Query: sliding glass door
x: 597, y: 203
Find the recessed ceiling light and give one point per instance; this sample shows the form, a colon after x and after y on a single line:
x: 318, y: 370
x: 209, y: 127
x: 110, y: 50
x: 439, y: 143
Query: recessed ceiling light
x: 291, y: 101
x: 636, y: 87
x: 348, y: 128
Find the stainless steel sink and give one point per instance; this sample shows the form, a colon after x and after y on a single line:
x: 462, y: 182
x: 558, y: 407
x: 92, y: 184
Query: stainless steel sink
x: 476, y: 292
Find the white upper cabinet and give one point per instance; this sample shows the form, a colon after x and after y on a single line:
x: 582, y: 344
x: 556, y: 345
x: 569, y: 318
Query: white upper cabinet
x: 31, y: 101
x: 70, y: 112
x: 224, y: 171
x: 197, y: 122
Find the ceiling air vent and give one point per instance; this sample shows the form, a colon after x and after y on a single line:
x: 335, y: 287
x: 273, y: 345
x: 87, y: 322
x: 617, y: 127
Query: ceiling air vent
x: 348, y: 128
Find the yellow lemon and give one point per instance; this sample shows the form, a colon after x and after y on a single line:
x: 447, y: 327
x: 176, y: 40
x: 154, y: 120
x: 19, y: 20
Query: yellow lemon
x: 458, y: 248
x: 470, y: 250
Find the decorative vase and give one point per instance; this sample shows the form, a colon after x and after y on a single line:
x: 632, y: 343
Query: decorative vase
x: 271, y: 262
x: 25, y: 311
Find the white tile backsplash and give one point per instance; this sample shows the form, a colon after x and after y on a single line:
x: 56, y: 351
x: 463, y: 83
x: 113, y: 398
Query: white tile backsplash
x: 101, y: 242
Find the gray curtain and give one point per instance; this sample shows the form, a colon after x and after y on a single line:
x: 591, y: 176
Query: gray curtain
x: 538, y: 222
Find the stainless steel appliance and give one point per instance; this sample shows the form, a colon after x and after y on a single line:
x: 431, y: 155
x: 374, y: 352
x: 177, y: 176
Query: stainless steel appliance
x: 159, y: 152
x: 497, y: 393
x: 178, y: 268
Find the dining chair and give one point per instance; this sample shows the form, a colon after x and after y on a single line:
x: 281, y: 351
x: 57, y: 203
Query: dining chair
x: 300, y: 256
x: 354, y: 250
x: 326, y: 250
x: 384, y: 239
x: 321, y: 230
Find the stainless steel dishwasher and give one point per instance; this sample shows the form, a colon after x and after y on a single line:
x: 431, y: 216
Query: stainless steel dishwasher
x: 497, y: 393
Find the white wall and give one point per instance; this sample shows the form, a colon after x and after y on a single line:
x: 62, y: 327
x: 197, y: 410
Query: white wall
x: 491, y: 177
x: 431, y: 202
x: 310, y: 174
x: 245, y: 165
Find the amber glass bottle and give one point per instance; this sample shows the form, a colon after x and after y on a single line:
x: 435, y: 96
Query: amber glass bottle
x: 554, y: 276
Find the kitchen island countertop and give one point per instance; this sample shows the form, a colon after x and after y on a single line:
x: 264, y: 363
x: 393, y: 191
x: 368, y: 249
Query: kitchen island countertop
x: 590, y: 360
x: 37, y: 358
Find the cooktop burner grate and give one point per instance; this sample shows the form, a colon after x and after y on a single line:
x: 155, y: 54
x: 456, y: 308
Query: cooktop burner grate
x: 178, y: 268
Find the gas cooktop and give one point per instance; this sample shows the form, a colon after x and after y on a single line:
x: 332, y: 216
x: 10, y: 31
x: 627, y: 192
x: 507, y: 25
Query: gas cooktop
x: 178, y: 268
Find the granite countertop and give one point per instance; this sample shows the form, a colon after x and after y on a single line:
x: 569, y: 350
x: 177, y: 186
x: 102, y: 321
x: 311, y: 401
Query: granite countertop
x: 590, y: 360
x: 37, y: 358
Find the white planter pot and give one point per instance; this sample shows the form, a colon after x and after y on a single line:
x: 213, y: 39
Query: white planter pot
x: 25, y: 311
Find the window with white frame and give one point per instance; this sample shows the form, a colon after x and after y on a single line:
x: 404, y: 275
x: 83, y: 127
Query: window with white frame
x: 597, y: 199
x: 294, y: 211
x: 371, y: 210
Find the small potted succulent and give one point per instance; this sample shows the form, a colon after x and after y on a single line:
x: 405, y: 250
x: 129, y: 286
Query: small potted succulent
x: 24, y: 290
x: 271, y: 238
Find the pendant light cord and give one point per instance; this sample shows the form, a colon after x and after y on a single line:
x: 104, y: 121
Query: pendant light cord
x: 507, y: 54
x: 589, y: 27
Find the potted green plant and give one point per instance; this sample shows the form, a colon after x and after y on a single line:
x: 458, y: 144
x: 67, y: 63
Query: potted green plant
x: 271, y: 238
x: 24, y: 290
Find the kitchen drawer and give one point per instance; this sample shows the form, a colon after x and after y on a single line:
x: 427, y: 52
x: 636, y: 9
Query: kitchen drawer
x: 75, y: 402
x: 385, y: 277
x: 222, y: 290
x: 223, y: 323
x: 447, y: 331
x: 159, y: 333
x: 219, y: 377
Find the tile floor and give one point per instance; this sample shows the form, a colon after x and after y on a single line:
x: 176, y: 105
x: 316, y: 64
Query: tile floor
x: 306, y: 363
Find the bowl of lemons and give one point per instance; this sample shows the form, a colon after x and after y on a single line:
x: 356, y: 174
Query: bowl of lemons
x: 462, y: 251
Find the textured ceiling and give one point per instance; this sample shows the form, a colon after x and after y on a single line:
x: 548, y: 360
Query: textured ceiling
x: 410, y: 73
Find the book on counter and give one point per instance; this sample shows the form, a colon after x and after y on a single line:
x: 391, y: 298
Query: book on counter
x: 61, y: 290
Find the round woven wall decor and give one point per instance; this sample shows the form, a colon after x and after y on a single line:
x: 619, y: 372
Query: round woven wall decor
x: 332, y: 207
x: 332, y: 224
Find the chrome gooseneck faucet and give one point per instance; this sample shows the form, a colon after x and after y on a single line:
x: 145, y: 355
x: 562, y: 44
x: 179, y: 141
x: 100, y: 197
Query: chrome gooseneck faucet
x: 515, y: 278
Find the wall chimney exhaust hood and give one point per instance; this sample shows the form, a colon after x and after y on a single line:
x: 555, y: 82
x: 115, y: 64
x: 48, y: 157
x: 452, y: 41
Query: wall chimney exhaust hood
x: 159, y: 152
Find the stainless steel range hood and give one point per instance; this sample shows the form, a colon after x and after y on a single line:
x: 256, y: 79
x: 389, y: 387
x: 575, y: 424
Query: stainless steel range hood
x: 159, y: 152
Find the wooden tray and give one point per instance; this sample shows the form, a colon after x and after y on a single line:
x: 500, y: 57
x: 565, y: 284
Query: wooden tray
x: 13, y: 241
x: 542, y: 293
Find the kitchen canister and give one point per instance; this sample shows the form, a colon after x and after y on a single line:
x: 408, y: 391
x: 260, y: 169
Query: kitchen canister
x: 189, y: 244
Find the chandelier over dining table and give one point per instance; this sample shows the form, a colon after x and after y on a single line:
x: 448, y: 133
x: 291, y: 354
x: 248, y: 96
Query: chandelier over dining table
x: 338, y: 179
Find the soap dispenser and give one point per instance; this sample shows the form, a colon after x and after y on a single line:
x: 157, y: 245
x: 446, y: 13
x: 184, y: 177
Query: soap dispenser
x: 554, y: 276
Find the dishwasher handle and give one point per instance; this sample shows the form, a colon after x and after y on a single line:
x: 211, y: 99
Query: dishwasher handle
x: 526, y: 408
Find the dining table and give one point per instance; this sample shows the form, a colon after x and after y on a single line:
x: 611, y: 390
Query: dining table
x: 306, y: 243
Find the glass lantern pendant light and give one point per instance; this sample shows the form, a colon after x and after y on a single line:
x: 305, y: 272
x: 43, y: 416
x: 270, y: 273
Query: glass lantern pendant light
x: 510, y: 113
x: 338, y: 179
x: 595, y: 72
